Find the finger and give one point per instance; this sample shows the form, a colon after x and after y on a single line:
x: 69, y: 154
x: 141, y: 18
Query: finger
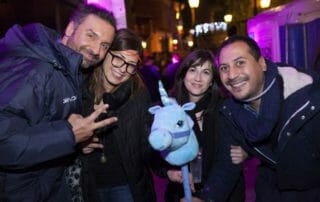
x: 236, y: 155
x: 87, y: 150
x: 191, y: 182
x: 193, y: 189
x: 95, y: 139
x: 97, y: 112
x: 105, y: 122
x: 95, y: 146
x: 233, y: 147
x: 236, y: 160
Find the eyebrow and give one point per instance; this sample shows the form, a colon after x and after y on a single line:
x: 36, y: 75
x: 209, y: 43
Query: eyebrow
x: 90, y: 30
x: 95, y: 34
x: 238, y: 58
x: 124, y: 59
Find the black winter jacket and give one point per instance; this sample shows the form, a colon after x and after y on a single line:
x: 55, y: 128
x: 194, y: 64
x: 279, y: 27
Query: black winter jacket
x: 131, y: 139
x: 290, y: 166
x: 39, y: 89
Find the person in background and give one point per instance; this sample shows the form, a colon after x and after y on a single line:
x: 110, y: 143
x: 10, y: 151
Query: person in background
x: 274, y: 114
x: 150, y: 74
x: 119, y: 171
x: 40, y: 102
x: 198, y: 81
x: 169, y: 74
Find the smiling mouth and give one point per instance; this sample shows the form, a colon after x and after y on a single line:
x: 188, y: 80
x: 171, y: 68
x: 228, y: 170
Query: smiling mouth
x: 196, y: 85
x: 118, y: 75
x: 237, y: 85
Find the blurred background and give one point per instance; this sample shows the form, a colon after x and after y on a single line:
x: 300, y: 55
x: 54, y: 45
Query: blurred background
x: 178, y: 26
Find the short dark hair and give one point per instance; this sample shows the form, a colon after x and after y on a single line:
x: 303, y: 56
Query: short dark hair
x: 253, y: 46
x: 87, y: 9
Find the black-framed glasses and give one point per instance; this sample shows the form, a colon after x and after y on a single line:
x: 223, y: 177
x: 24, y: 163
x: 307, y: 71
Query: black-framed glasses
x: 119, y: 62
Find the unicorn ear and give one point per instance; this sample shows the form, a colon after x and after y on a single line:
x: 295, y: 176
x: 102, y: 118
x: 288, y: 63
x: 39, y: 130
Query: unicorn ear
x: 154, y: 109
x: 188, y: 106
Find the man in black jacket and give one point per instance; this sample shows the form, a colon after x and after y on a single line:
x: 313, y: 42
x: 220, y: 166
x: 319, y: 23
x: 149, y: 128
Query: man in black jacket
x: 40, y: 102
x: 274, y: 114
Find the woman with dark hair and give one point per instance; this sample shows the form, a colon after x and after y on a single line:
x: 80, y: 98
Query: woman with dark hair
x: 118, y: 172
x: 198, y: 81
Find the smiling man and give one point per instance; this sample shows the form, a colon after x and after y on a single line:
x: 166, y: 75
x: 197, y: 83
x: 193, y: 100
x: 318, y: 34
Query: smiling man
x: 40, y: 102
x: 274, y: 114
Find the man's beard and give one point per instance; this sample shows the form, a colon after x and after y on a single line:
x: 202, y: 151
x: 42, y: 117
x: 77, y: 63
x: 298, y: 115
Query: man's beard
x: 86, y: 63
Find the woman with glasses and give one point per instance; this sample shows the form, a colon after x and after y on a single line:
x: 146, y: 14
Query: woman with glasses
x: 118, y: 171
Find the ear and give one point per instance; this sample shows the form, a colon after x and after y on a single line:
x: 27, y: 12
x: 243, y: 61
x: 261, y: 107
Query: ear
x: 262, y: 63
x: 154, y: 109
x: 68, y: 32
x: 70, y: 29
x: 188, y: 106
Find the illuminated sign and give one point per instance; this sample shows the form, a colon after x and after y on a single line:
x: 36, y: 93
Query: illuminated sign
x: 210, y: 27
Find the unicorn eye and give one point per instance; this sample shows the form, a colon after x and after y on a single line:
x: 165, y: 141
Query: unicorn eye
x: 180, y: 123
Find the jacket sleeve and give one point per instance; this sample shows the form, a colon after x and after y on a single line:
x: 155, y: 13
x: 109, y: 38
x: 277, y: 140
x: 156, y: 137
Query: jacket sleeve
x: 27, y: 136
x: 224, y: 174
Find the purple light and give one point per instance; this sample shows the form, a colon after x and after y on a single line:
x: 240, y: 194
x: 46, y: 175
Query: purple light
x: 264, y: 28
x: 117, y: 7
x: 107, y: 4
x: 175, y: 58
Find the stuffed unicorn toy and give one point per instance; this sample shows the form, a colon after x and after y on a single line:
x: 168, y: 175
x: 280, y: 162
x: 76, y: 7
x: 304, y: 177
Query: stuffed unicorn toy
x: 172, y: 134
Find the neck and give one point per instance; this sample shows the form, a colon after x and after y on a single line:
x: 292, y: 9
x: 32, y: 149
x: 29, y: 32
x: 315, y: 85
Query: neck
x: 256, y: 100
x: 256, y: 104
x: 195, y: 99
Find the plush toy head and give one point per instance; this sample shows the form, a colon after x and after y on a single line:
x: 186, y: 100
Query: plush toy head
x: 171, y: 131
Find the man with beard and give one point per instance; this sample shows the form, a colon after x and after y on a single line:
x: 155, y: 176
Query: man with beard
x: 274, y: 114
x: 40, y: 102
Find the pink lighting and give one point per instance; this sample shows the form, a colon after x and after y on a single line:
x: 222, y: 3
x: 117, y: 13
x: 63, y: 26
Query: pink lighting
x: 288, y: 33
x: 118, y: 9
x: 175, y: 58
x: 264, y: 28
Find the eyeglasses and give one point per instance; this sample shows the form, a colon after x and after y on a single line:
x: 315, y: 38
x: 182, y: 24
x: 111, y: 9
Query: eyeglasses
x: 119, y: 62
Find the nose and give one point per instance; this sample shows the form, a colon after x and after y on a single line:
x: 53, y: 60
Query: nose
x: 233, y: 72
x: 197, y: 76
x: 160, y: 139
x: 123, y: 68
x: 96, y: 49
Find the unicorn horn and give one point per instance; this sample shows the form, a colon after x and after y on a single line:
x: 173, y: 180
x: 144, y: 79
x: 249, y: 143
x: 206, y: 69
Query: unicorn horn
x: 164, y: 95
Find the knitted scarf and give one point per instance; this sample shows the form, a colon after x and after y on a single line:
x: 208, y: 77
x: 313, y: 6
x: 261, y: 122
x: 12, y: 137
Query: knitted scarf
x: 258, y: 126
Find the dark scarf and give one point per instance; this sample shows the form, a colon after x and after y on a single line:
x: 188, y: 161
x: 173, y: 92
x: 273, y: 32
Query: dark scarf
x: 201, y: 105
x: 258, y: 126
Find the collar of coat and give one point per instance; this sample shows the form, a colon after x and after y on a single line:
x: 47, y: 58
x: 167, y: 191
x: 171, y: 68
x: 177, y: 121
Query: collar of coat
x: 293, y: 80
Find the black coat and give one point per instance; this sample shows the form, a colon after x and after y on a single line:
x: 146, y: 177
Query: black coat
x: 131, y: 140
x: 290, y: 155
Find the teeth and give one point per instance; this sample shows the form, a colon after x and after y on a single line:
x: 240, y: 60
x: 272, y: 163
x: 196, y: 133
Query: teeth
x: 236, y: 85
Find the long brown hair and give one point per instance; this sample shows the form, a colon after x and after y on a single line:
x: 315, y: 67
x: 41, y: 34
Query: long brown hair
x: 124, y: 40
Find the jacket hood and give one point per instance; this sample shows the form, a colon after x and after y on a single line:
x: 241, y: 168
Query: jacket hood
x: 37, y: 41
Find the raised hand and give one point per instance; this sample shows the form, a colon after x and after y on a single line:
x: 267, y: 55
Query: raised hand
x: 83, y: 127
